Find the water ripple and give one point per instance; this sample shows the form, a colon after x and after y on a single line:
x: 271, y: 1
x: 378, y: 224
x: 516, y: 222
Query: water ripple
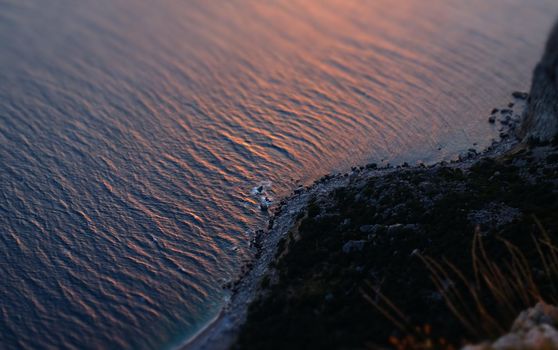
x: 131, y: 134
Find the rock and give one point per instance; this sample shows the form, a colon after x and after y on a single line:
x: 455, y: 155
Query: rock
x: 540, y: 314
x: 369, y: 228
x: 506, y: 111
x: 541, y: 121
x: 427, y: 186
x: 265, y: 203
x: 352, y: 246
x: 533, y: 329
x: 520, y: 95
x: 492, y: 119
x: 391, y: 229
x: 493, y: 215
x: 411, y: 227
x: 494, y: 111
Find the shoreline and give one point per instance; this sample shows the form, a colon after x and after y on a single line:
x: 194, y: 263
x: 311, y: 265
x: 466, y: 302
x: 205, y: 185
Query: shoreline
x: 221, y: 331
x: 537, y: 121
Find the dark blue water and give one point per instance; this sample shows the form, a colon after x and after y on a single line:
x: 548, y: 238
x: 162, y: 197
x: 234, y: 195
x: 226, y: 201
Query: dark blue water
x: 131, y: 134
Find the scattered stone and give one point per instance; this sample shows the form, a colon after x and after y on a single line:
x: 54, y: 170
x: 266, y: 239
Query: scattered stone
x: 494, y: 111
x: 492, y: 119
x: 494, y: 215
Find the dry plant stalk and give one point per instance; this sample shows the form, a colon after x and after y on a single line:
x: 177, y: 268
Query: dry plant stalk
x: 509, y: 286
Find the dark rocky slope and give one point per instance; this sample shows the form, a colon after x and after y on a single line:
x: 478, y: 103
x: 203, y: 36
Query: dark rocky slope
x: 370, y: 232
x: 541, y: 121
x: 366, y: 236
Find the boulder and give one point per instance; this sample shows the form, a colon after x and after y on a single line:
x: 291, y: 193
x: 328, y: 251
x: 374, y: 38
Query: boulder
x: 534, y: 328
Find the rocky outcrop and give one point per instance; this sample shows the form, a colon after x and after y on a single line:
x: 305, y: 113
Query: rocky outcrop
x: 541, y: 121
x: 362, y: 234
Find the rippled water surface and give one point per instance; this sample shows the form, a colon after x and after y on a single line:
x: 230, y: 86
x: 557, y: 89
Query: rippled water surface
x: 131, y: 133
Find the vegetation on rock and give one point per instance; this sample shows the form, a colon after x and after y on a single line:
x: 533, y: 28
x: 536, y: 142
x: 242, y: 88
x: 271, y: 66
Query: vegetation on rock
x: 369, y: 236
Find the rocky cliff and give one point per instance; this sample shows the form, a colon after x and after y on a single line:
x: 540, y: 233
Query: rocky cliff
x: 541, y: 120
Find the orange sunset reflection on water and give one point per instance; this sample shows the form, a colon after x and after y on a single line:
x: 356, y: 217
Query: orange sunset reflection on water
x: 132, y: 132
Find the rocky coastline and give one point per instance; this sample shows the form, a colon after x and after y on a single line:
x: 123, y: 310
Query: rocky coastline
x: 357, y: 234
